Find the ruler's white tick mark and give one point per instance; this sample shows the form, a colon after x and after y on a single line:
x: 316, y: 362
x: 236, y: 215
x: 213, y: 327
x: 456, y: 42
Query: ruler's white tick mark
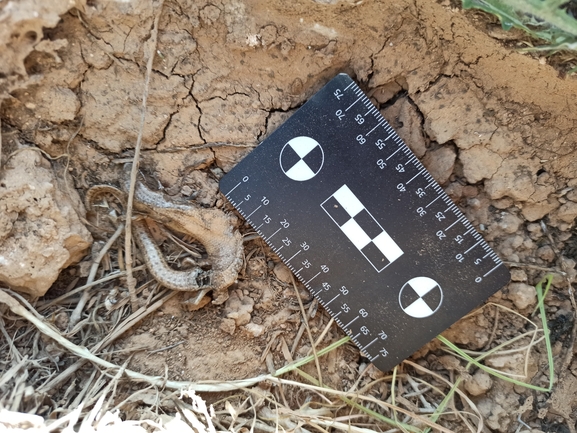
x: 332, y: 299
x: 350, y: 106
x: 313, y: 278
x: 472, y: 247
x: 269, y: 238
x: 249, y: 215
x: 365, y: 348
x: 392, y: 154
x: 294, y: 255
x: 438, y: 197
x: 236, y: 186
x: 348, y: 324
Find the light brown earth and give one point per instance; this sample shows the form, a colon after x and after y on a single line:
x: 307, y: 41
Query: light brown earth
x: 496, y: 127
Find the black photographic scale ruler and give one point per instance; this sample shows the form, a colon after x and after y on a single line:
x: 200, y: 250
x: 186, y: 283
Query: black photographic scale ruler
x: 361, y: 223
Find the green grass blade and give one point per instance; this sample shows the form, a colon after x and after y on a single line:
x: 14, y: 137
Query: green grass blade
x: 541, y: 305
x: 439, y: 410
x: 369, y: 412
x: 310, y: 358
x: 541, y: 19
x: 548, y: 11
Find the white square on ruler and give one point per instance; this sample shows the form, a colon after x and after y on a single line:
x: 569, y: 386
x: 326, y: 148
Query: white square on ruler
x: 348, y: 200
x: 388, y: 246
x: 355, y: 234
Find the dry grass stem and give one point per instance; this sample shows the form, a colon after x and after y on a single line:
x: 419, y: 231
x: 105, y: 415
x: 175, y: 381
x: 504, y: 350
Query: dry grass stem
x: 44, y: 305
x: 310, y: 335
x: 130, y: 280
x: 77, y: 313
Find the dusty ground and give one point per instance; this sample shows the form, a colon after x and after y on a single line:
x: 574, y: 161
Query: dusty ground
x: 497, y: 129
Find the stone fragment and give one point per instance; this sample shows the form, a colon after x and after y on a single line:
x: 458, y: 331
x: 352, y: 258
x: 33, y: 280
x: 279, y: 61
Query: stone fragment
x: 228, y: 326
x: 518, y: 275
x: 239, y: 309
x: 468, y: 332
x: 189, y: 304
x: 495, y: 417
x: 509, y: 223
x: 510, y: 363
x: 502, y: 203
x: 386, y: 92
x: 479, y: 383
x: 522, y: 295
x: 567, y: 212
x: 515, y: 178
x: 568, y: 265
x: 406, y: 121
x: 452, y: 111
x: 450, y: 362
x: 22, y: 29
x: 440, y: 163
x: 470, y: 191
x: 537, y: 211
x: 454, y: 190
x: 283, y: 273
x: 40, y: 230
x: 479, y: 163
x: 254, y: 329
x: 546, y: 253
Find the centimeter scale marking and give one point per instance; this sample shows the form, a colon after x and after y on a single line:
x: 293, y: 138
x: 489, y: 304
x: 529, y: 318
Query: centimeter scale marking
x: 352, y: 212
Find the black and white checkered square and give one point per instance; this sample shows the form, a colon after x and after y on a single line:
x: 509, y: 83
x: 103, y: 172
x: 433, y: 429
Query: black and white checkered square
x: 362, y: 229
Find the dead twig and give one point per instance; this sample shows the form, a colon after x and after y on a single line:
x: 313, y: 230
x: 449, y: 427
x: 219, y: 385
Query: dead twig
x: 47, y: 304
x: 111, y: 337
x: 162, y: 349
x: 72, y: 137
x: 77, y: 313
x: 86, y: 355
x: 306, y: 322
x: 130, y: 280
x: 537, y: 268
x: 0, y: 134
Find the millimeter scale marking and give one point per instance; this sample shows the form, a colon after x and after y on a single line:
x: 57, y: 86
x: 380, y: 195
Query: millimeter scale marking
x: 363, y: 225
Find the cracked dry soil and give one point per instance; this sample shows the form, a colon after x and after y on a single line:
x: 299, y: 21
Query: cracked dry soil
x: 495, y: 127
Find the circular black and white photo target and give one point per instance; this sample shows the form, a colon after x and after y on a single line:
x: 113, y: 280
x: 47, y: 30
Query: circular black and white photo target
x: 420, y: 297
x: 301, y: 158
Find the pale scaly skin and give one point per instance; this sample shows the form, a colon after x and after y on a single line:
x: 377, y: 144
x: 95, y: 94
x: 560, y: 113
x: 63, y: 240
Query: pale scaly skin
x: 210, y: 226
x: 190, y: 280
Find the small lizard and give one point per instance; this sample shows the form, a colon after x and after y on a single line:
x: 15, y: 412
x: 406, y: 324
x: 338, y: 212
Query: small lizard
x: 210, y: 226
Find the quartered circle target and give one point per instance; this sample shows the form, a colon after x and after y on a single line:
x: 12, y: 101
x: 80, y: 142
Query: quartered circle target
x: 301, y: 158
x: 420, y: 297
